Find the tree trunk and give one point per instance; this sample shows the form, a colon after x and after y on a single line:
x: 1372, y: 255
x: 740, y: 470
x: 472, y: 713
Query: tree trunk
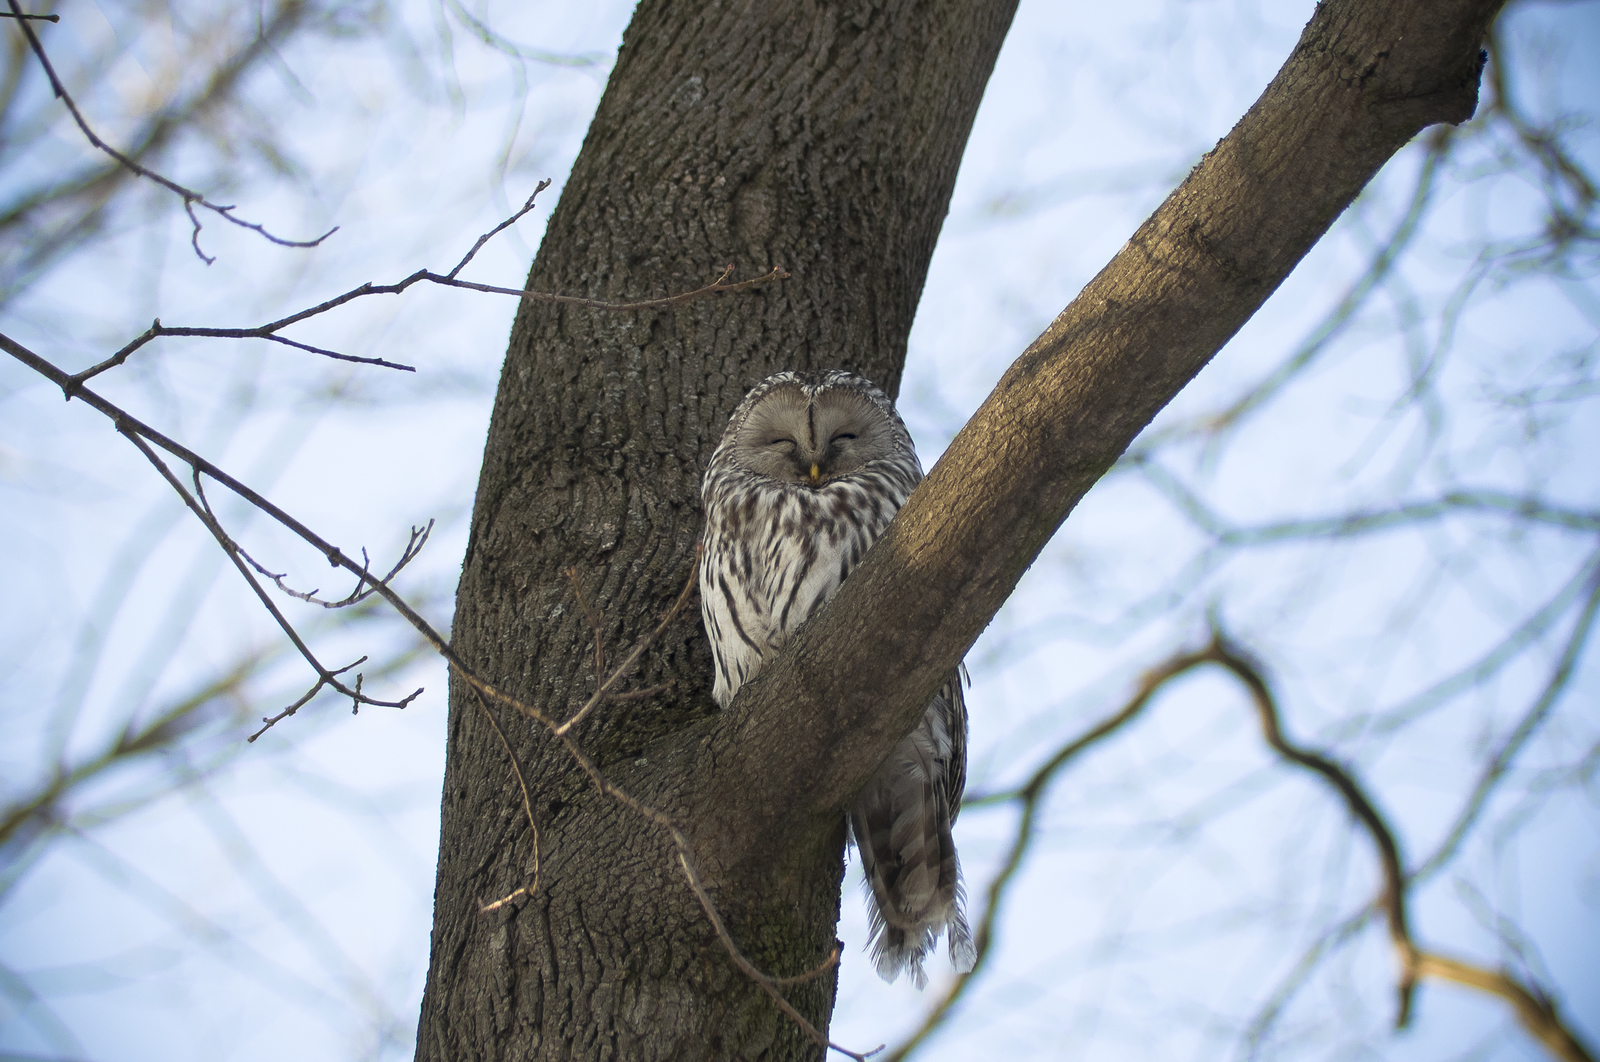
x: 825, y: 143
x: 819, y: 138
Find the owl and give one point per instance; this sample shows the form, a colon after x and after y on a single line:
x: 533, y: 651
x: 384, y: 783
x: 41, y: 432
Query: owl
x: 811, y: 469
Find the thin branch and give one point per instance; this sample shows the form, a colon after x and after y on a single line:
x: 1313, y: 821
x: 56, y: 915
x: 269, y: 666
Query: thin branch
x: 623, y: 669
x: 1588, y: 579
x: 32, y: 18
x: 527, y: 807
x: 83, y: 200
x: 749, y: 969
x: 1531, y: 720
x: 362, y: 591
x: 325, y: 676
x: 190, y: 196
x: 269, y: 331
x: 130, y: 425
x: 1536, y: 1012
x: 1029, y: 796
x: 157, y: 330
x: 1392, y: 898
x: 492, y: 233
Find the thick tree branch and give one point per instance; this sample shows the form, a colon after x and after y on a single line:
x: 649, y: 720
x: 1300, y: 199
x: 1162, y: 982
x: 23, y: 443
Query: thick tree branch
x: 1366, y: 76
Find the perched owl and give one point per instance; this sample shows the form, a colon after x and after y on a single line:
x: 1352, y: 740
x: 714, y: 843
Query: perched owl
x: 811, y: 469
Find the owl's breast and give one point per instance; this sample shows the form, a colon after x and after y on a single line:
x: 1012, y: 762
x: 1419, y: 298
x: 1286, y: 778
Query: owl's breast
x: 774, y: 552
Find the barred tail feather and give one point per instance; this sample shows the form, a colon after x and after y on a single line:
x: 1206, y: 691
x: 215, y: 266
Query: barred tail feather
x: 901, y: 826
x: 963, y: 952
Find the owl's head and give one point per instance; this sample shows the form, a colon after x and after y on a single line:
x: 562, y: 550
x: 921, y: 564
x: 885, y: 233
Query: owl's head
x: 810, y: 428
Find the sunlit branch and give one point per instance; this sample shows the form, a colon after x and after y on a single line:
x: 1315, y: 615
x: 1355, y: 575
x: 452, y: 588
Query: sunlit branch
x: 1588, y: 579
x: 1214, y: 426
x: 1537, y: 1013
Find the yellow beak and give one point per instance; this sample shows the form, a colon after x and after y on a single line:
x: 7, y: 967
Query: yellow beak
x: 816, y: 476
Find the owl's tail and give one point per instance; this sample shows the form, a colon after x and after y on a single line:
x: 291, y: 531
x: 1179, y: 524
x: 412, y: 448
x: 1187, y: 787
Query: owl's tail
x: 901, y: 825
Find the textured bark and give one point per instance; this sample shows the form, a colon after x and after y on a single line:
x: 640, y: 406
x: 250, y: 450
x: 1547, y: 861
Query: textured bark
x: 826, y: 142
x: 822, y: 138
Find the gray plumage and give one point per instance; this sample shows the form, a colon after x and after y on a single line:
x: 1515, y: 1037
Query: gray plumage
x: 811, y: 469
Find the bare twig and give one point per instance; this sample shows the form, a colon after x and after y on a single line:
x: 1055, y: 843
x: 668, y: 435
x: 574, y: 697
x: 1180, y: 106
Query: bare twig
x: 189, y: 196
x: 266, y: 332
x: 623, y: 669
x: 269, y: 331
x: 492, y: 233
x: 1029, y: 796
x: 362, y: 591
x: 325, y: 676
x: 527, y: 807
x: 32, y: 18
x: 768, y: 984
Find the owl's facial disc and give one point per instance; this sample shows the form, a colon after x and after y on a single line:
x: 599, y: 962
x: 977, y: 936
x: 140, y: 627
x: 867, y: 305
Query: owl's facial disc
x: 793, y: 437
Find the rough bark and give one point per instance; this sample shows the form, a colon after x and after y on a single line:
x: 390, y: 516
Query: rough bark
x: 825, y: 142
x: 822, y: 138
